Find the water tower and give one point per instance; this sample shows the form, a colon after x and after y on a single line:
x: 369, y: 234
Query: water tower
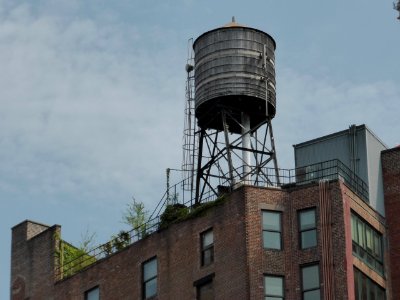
x: 231, y: 92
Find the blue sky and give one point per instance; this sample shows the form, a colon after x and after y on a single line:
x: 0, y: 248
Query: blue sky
x: 92, y: 96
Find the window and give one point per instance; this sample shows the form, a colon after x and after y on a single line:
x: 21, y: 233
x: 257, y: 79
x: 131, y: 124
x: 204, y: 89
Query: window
x: 93, y: 294
x: 205, y: 288
x: 205, y: 291
x: 273, y: 287
x: 310, y: 282
x: 365, y: 288
x: 367, y: 243
x: 307, y: 228
x: 207, y: 247
x: 272, y: 229
x: 150, y: 278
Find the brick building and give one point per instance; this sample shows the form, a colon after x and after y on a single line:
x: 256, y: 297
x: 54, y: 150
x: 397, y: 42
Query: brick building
x: 315, y: 237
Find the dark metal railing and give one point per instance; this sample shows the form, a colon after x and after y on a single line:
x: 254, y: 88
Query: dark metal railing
x: 174, y: 195
x: 328, y: 170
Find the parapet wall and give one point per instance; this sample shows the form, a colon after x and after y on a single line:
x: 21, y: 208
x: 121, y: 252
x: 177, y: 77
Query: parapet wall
x: 33, y: 258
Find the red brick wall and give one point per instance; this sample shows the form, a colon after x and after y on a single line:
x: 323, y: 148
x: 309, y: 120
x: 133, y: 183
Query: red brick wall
x: 347, y: 201
x: 288, y: 261
x: 391, y: 186
x: 257, y: 260
x: 240, y: 259
x: 178, y: 251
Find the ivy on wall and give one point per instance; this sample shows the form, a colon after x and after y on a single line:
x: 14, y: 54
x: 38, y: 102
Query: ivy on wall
x: 73, y: 259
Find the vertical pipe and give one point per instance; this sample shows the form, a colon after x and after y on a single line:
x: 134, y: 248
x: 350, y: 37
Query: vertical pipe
x: 227, y: 145
x: 168, y: 171
x: 199, y: 169
x: 246, y: 144
x: 266, y: 77
x: 327, y: 264
x: 353, y: 150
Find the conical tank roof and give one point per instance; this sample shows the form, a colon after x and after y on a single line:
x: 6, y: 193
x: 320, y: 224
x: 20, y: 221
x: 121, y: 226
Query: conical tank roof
x: 234, y: 24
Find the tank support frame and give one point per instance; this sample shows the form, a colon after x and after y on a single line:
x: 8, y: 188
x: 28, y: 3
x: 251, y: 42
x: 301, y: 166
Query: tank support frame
x: 226, y: 161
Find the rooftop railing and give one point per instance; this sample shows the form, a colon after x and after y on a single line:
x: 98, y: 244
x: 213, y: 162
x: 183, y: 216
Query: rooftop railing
x: 177, y: 194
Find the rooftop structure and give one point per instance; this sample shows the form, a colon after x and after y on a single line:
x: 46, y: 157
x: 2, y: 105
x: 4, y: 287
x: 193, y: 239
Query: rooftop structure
x: 306, y: 238
x: 358, y: 148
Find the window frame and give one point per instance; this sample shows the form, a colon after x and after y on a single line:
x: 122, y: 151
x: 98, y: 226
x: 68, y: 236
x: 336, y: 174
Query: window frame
x: 280, y: 231
x: 360, y: 278
x: 372, y: 257
x: 299, y: 212
x: 144, y: 282
x: 302, y: 267
x: 206, y: 248
x: 86, y: 294
x: 283, y: 287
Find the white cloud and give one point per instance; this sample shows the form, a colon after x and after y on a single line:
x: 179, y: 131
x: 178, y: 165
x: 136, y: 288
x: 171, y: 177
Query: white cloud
x: 309, y: 107
x: 85, y: 107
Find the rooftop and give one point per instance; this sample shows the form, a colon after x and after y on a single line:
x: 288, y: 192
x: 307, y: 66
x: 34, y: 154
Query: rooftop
x: 177, y: 197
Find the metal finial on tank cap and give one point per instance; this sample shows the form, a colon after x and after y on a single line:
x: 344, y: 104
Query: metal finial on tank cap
x: 233, y: 23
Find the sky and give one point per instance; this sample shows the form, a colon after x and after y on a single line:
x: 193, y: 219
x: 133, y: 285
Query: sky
x: 92, y: 96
